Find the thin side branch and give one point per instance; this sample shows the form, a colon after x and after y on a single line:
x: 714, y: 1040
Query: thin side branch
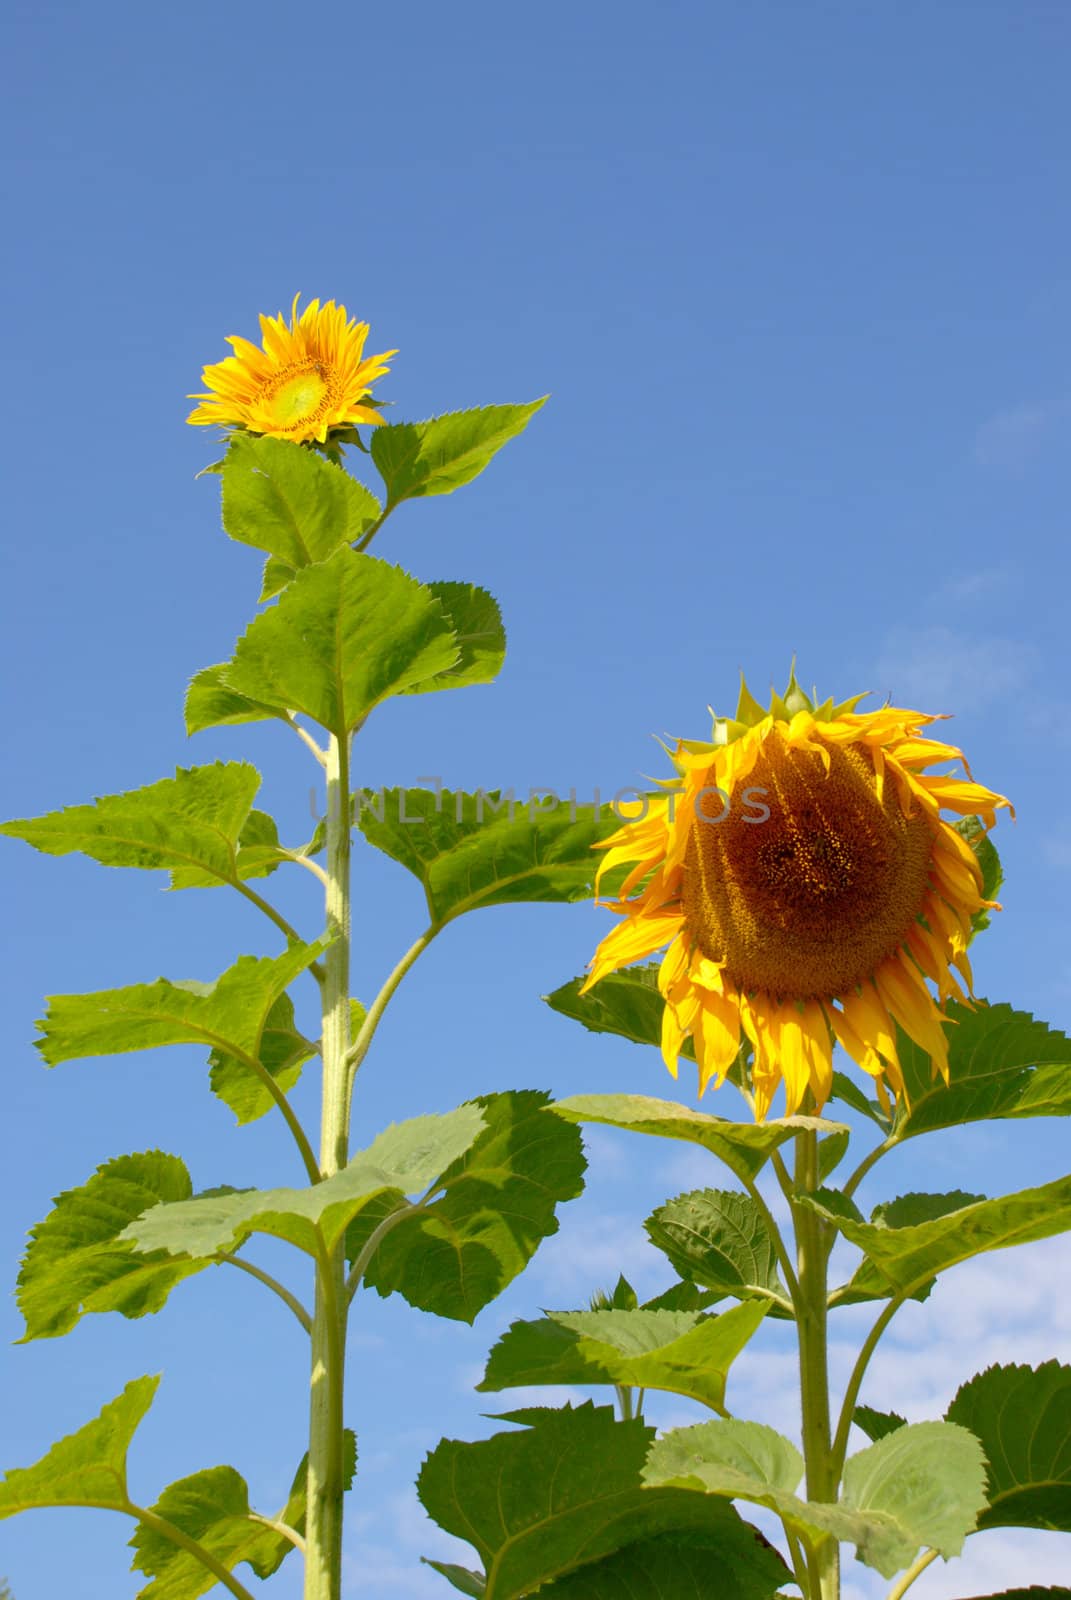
x: 308, y: 863
x: 865, y: 1165
x: 359, y: 1049
x: 366, y: 540
x: 379, y: 1233
x: 282, y: 1528
x: 306, y: 738
x: 862, y: 1361
x: 286, y: 928
x: 278, y: 1288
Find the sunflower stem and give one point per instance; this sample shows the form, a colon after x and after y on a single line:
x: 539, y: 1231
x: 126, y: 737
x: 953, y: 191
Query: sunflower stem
x: 323, y: 1539
x: 812, y: 1259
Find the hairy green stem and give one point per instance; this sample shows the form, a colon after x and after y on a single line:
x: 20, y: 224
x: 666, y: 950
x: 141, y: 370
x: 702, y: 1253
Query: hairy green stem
x: 812, y: 1258
x: 323, y: 1537
x: 865, y: 1165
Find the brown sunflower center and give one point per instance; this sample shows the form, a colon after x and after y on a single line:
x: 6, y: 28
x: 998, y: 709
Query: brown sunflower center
x: 807, y: 903
x: 299, y: 394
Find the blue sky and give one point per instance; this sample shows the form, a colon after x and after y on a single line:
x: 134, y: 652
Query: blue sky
x: 797, y: 279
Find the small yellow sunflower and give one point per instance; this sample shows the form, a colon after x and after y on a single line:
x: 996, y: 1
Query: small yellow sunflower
x: 306, y: 380
x: 807, y: 886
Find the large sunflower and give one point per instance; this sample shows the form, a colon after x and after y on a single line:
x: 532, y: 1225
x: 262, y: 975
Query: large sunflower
x: 308, y: 378
x: 807, y: 887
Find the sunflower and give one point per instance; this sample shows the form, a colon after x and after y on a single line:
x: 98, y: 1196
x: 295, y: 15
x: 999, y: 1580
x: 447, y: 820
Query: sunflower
x: 307, y: 379
x: 807, y: 887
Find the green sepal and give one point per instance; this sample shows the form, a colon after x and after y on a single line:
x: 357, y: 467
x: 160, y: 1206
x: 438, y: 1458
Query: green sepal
x: 75, y: 1264
x: 748, y: 710
x: 973, y: 829
x: 498, y: 853
x: 440, y: 455
x: 493, y: 1208
x: 680, y: 1352
x: 1022, y: 1419
x: 563, y: 1494
x: 87, y: 1468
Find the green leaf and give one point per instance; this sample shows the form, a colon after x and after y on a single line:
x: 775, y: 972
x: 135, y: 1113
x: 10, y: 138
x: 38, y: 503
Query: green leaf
x: 476, y: 620
x: 831, y: 1152
x: 438, y: 456
x: 682, y: 1352
x: 212, y: 1507
x: 462, y: 1578
x: 497, y: 1205
x: 562, y: 1494
x: 718, y: 1238
x: 290, y: 502
x: 211, y: 704
x: 736, y: 1563
x: 75, y: 1263
x: 846, y: 1089
x: 88, y: 1468
x: 625, y: 1003
x: 1022, y: 1418
x: 343, y: 636
x: 922, y: 1485
x: 1033, y: 1593
x: 480, y: 850
x: 926, y: 1478
x: 403, y: 1160
x: 259, y: 853
x: 744, y: 1147
x: 904, y: 1257
x: 229, y: 1015
x: 877, y: 1424
x: 1001, y: 1063
x: 282, y: 1052
x: 190, y: 825
x: 974, y: 831
x: 731, y: 1458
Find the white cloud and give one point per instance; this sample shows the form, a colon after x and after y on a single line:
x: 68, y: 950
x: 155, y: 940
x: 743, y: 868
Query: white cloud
x: 385, y: 1545
x: 1010, y: 438
x: 939, y: 669
x: 588, y: 1253
x: 980, y: 581
x: 1057, y: 851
